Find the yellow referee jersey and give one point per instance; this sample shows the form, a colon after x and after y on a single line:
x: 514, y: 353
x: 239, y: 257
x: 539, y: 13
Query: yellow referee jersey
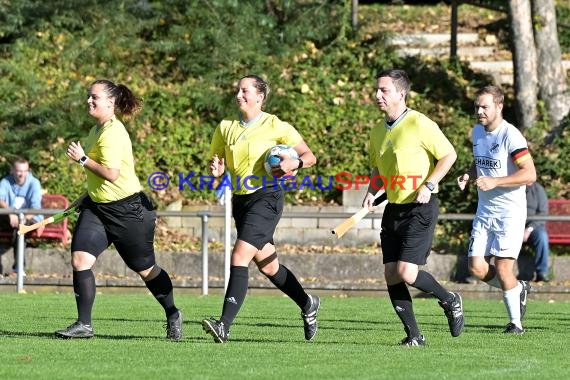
x: 405, y: 154
x: 244, y: 148
x: 110, y: 145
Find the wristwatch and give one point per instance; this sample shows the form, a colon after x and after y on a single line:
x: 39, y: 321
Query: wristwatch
x: 300, y: 163
x: 83, y: 160
x: 430, y: 186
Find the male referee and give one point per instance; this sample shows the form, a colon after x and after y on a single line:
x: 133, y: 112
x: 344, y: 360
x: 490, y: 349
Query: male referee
x: 406, y: 146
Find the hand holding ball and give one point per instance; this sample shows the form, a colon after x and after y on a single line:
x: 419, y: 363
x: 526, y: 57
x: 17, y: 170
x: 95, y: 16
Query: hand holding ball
x: 273, y: 159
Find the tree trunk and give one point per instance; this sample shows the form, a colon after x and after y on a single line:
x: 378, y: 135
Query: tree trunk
x: 552, y: 86
x: 524, y: 62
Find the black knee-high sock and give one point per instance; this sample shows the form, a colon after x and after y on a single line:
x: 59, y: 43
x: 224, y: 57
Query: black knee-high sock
x: 402, y: 303
x: 426, y: 283
x: 286, y: 281
x: 84, y: 289
x: 235, y: 294
x: 161, y: 288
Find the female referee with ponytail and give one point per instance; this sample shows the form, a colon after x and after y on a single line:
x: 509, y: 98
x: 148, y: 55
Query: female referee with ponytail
x: 239, y: 144
x: 115, y: 211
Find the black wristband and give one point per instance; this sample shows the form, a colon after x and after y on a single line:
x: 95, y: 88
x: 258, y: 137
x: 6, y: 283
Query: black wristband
x: 83, y: 160
x: 300, y: 164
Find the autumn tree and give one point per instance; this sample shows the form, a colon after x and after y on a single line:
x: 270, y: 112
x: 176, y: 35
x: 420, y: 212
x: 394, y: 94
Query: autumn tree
x: 552, y: 86
x: 524, y: 62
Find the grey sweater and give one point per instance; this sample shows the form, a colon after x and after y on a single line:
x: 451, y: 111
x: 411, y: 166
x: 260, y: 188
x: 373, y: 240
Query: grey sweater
x: 536, y: 204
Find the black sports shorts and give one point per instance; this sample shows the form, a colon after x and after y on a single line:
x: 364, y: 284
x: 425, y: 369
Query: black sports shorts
x: 256, y: 215
x: 407, y: 231
x: 128, y: 224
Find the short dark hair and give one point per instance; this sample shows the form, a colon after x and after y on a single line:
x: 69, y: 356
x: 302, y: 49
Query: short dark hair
x: 399, y: 77
x: 19, y: 160
x: 496, y: 92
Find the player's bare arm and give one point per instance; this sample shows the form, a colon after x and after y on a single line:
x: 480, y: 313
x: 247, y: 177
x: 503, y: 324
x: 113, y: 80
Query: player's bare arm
x: 525, y: 175
x: 463, y: 179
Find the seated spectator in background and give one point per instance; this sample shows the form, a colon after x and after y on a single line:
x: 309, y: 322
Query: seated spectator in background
x: 18, y: 190
x: 535, y: 233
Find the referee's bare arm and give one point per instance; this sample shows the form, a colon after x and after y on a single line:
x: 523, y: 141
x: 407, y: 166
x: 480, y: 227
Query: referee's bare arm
x: 306, y: 156
x: 375, y: 184
x: 217, y: 166
x: 442, y: 167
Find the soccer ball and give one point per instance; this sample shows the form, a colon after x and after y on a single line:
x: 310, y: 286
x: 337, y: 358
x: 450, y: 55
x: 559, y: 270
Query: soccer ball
x: 273, y: 159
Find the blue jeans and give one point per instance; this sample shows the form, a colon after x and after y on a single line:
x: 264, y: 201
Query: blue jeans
x: 538, y: 240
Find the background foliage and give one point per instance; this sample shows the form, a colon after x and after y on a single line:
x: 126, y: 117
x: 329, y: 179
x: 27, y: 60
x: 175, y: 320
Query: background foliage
x: 184, y: 59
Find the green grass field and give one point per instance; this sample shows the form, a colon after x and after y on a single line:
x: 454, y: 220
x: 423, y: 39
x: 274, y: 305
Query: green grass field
x: 357, y: 339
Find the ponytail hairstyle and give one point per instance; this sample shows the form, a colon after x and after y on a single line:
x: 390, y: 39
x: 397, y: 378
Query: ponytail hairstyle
x: 125, y: 101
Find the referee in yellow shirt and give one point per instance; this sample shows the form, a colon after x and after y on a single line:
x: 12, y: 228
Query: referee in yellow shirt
x: 115, y: 211
x: 403, y: 150
x: 257, y: 202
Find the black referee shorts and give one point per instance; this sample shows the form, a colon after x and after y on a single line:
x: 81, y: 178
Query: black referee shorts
x: 257, y: 214
x: 128, y: 224
x: 407, y: 231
